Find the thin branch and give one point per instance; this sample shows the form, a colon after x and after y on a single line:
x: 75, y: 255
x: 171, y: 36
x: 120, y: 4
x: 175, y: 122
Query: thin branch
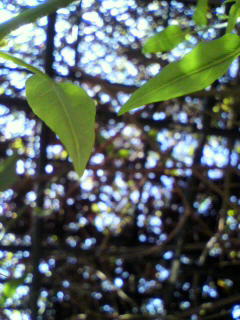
x: 37, y: 227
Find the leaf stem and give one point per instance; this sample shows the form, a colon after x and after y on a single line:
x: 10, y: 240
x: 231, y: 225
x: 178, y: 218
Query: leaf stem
x: 32, y: 14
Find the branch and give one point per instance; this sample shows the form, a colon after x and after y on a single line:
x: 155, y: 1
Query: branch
x: 105, y: 116
x: 37, y: 221
x: 206, y: 308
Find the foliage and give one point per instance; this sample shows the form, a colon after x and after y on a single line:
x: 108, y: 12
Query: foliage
x: 64, y: 104
x: 8, y: 174
x: 9, y: 289
x: 196, y: 71
x: 69, y: 106
x: 233, y: 15
x: 200, y: 15
x: 150, y: 231
x: 165, y: 40
x: 31, y: 14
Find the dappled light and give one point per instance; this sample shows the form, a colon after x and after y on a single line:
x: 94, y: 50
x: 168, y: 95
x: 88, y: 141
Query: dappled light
x: 143, y: 223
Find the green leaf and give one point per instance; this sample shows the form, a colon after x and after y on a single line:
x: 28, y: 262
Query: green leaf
x: 165, y: 40
x: 233, y: 15
x: 3, y: 42
x: 9, y: 289
x: 124, y: 153
x: 196, y: 71
x: 32, y: 14
x: 65, y: 108
x: 68, y: 111
x: 8, y: 174
x: 200, y: 15
x: 20, y: 62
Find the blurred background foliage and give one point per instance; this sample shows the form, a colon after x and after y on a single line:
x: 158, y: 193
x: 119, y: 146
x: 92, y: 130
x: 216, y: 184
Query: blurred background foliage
x: 151, y: 231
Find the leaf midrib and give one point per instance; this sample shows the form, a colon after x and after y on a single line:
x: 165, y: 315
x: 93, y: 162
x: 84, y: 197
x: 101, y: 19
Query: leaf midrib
x: 68, y: 120
x: 205, y: 67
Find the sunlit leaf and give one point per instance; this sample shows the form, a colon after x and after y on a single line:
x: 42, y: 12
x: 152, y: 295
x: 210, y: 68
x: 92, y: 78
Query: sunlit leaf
x: 8, y: 174
x: 196, y: 71
x: 200, y: 15
x: 65, y: 108
x: 18, y: 144
x: 32, y: 14
x: 232, y: 212
x: 20, y: 62
x: 68, y: 111
x: 9, y: 289
x: 43, y: 212
x: 124, y: 153
x: 3, y: 42
x: 164, y: 41
x: 233, y: 15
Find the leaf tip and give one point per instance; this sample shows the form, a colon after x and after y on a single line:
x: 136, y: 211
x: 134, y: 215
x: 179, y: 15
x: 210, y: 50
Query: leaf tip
x: 124, y: 109
x: 121, y: 112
